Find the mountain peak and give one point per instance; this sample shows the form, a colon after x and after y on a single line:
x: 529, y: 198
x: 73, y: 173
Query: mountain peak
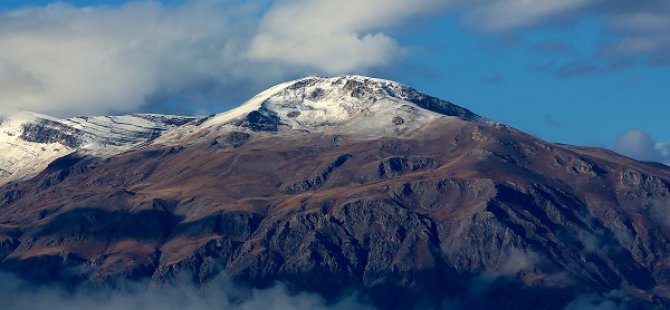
x: 351, y: 104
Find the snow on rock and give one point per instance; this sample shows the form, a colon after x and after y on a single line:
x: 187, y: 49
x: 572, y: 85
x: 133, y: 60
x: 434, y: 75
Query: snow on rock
x: 348, y: 104
x: 30, y: 141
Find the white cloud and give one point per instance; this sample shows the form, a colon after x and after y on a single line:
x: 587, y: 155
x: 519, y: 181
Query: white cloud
x: 639, y: 145
x: 518, y: 261
x: 64, y: 60
x: 663, y: 149
x: 221, y: 293
x: 614, y: 300
x: 335, y: 36
x: 326, y: 52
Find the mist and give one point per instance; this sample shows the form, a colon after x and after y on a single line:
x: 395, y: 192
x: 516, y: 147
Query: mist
x: 221, y: 293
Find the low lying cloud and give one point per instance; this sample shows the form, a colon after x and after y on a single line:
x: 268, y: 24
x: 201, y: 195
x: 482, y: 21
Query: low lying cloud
x: 221, y: 294
x: 638, y: 144
x: 659, y: 212
x: 511, y: 264
x: 614, y: 300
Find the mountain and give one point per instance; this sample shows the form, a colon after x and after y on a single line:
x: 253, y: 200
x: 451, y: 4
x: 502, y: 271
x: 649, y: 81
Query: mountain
x: 30, y: 141
x: 350, y: 105
x: 352, y: 184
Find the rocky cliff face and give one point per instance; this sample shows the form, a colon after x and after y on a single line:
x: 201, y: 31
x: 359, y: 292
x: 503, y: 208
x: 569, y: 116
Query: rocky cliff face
x: 456, y: 211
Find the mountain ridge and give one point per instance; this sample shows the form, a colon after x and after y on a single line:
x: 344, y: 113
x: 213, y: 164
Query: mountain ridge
x: 30, y: 141
x: 349, y: 104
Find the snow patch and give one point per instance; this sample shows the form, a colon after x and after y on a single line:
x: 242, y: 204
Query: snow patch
x: 349, y: 104
x: 30, y: 141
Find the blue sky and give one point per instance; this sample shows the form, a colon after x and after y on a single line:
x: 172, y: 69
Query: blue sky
x: 582, y: 72
x: 497, y: 78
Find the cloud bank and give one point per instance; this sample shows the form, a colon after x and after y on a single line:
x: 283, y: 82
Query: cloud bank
x: 63, y: 59
x: 60, y: 59
x: 203, y: 55
x: 17, y: 294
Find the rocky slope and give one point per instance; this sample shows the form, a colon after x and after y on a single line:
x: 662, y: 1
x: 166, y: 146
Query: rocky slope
x: 443, y: 208
x: 30, y: 141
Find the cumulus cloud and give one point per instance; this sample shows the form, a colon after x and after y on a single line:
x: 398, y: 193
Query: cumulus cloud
x: 638, y: 144
x: 201, y: 55
x: 64, y: 59
x: 338, y: 36
x: 61, y: 59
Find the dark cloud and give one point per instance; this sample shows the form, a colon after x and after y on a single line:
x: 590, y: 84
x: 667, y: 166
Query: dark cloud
x: 552, y: 47
x: 504, y: 15
x: 642, y: 27
x: 550, y: 121
x: 509, y: 40
x: 547, y: 67
x: 578, y: 68
x: 633, y: 31
x: 494, y: 79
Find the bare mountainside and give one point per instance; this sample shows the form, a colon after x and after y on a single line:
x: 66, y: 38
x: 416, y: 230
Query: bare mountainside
x: 334, y: 185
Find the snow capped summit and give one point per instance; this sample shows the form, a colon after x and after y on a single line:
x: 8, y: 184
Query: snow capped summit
x: 30, y: 141
x: 348, y: 104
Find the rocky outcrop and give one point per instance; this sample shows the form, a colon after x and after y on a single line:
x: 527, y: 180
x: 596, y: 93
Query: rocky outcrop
x: 47, y: 132
x: 318, y: 177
